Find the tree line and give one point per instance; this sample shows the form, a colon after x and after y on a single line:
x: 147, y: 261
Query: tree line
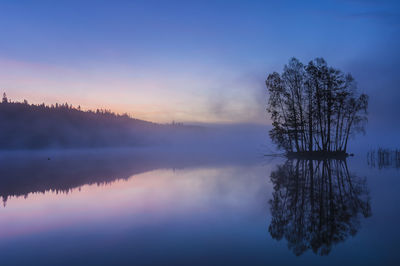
x: 38, y: 126
x: 314, y: 107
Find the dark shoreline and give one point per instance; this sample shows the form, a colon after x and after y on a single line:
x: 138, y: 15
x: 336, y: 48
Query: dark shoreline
x: 318, y: 155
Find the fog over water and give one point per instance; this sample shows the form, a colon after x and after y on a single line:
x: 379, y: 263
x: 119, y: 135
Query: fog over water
x: 185, y: 202
x: 137, y: 132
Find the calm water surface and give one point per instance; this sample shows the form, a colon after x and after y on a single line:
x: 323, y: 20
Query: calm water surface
x: 138, y: 208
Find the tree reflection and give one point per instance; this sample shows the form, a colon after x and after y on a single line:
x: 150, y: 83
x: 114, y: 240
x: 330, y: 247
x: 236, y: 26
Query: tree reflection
x: 316, y: 204
x: 23, y: 173
x: 384, y: 158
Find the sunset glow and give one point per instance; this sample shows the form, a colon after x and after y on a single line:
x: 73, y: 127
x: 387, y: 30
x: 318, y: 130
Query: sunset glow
x: 159, y: 70
x: 199, y: 132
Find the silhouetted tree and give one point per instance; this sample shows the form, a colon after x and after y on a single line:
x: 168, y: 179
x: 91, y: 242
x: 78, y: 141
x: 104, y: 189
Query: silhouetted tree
x: 314, y: 107
x: 4, y: 100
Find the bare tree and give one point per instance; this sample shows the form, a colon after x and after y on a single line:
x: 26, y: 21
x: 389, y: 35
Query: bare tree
x: 314, y: 107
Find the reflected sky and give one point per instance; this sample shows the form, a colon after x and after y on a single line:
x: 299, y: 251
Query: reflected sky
x: 157, y: 195
x: 182, y: 211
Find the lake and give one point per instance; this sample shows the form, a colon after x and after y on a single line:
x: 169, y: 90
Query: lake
x: 149, y: 207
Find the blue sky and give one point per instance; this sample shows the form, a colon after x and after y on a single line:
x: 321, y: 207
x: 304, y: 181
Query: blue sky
x: 192, y: 61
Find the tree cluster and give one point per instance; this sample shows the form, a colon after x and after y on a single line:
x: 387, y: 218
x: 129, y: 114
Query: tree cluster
x: 314, y: 107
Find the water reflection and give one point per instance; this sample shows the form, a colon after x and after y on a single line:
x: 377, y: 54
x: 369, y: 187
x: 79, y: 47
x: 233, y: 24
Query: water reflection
x: 23, y: 173
x: 384, y: 158
x: 316, y: 204
x: 210, y: 210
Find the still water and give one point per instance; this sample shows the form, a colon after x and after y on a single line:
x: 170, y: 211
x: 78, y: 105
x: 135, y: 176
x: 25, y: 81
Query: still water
x: 158, y: 208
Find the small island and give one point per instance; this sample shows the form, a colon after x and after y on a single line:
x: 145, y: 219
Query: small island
x: 314, y: 109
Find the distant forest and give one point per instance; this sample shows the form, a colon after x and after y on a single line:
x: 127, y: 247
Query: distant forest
x: 314, y: 107
x: 30, y: 126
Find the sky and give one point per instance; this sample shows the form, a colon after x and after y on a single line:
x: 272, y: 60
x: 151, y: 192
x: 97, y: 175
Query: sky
x: 192, y: 61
